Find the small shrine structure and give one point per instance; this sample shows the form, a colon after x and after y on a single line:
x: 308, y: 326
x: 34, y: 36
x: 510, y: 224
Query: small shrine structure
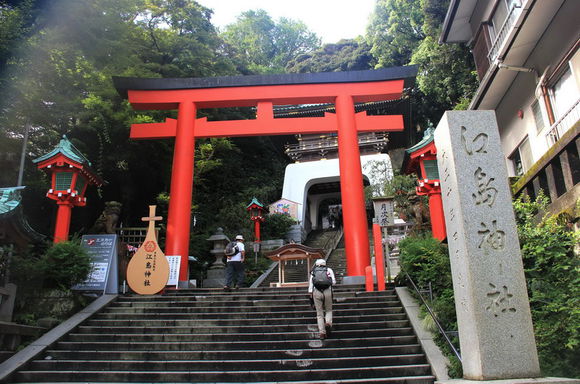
x: 70, y: 172
x: 294, y: 252
x: 14, y: 228
x: 422, y: 159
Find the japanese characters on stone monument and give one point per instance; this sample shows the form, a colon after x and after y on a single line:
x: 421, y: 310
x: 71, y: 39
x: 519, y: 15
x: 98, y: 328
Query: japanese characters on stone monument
x: 493, y: 314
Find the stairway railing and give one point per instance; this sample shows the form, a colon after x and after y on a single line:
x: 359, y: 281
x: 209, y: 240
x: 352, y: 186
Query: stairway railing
x: 434, y: 317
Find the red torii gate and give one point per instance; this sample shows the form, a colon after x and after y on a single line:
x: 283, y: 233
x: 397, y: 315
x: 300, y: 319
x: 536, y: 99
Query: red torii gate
x: 344, y: 89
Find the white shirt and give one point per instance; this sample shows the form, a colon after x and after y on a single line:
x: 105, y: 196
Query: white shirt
x: 330, y: 274
x: 238, y: 256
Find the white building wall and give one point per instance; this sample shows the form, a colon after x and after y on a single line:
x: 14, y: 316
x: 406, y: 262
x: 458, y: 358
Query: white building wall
x: 555, y: 42
x: 299, y: 177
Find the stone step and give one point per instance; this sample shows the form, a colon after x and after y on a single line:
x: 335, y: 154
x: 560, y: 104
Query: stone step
x: 226, y: 365
x: 224, y: 322
x: 238, y: 376
x: 272, y: 313
x: 282, y: 344
x: 256, y: 306
x: 225, y: 300
x: 234, y: 328
x: 207, y: 337
x: 254, y: 354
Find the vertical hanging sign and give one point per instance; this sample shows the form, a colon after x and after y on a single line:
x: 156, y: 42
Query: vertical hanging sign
x: 148, y: 270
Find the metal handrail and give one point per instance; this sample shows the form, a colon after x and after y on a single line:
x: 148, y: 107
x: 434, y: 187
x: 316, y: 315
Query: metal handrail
x: 441, y: 330
x: 556, y: 131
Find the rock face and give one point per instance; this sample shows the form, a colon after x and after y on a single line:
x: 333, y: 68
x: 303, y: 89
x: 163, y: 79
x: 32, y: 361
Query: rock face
x: 493, y: 313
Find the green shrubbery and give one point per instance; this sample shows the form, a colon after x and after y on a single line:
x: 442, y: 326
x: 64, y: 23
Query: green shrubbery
x: 44, y: 282
x: 552, y: 273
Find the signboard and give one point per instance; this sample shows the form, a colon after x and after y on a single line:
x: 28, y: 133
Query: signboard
x: 174, y: 263
x: 102, y: 250
x: 148, y: 270
x: 384, y: 211
x: 284, y: 207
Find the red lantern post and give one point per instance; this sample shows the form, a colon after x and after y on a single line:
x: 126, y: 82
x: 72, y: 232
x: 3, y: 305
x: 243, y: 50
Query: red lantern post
x: 256, y: 208
x: 70, y: 174
x: 422, y: 159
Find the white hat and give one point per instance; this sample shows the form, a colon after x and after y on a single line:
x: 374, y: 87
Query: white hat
x: 239, y: 237
x: 320, y: 262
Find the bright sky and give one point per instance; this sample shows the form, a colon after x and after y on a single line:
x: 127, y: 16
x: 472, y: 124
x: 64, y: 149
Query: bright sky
x: 331, y: 20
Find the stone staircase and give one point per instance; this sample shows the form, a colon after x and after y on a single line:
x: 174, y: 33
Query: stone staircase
x: 253, y: 335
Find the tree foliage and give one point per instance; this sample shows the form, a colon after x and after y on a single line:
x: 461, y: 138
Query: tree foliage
x: 407, y: 32
x: 346, y: 55
x: 259, y: 44
x: 553, y: 273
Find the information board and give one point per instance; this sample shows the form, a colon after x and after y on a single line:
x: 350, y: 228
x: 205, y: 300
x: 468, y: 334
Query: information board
x: 102, y: 250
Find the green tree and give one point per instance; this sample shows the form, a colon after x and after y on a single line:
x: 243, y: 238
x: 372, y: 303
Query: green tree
x: 346, y: 55
x: 261, y: 45
x: 407, y: 32
x: 395, y: 30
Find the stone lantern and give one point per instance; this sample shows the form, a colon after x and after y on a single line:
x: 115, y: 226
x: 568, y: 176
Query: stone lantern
x: 215, y: 274
x: 70, y: 174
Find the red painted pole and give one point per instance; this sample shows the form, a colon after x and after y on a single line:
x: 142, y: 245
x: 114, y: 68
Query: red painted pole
x: 63, y: 216
x: 179, y: 215
x: 379, y: 257
x: 257, y: 230
x: 356, y: 237
x: 369, y: 284
x: 437, y: 218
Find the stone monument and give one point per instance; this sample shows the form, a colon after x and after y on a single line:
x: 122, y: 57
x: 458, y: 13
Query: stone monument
x: 216, y: 272
x: 493, y: 313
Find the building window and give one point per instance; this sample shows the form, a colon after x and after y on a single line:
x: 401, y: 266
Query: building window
x: 538, y: 116
x: 564, y: 94
x: 521, y: 158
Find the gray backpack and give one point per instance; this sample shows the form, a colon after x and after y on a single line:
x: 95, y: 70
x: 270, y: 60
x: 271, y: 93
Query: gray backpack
x: 231, y: 248
x: 320, y: 277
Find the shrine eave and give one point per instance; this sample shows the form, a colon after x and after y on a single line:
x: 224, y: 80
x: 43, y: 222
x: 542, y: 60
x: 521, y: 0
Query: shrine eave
x: 406, y: 73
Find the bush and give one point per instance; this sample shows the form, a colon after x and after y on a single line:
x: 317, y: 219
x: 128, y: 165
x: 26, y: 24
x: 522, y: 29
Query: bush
x: 64, y: 265
x: 553, y: 275
x: 276, y: 226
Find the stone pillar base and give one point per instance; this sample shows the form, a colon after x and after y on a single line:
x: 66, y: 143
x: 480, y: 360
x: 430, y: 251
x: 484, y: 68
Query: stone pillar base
x: 538, y: 380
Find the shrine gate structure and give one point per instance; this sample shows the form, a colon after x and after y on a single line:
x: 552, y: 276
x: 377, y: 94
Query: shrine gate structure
x: 343, y: 89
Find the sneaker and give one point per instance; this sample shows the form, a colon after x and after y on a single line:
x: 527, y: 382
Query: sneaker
x: 226, y: 288
x: 328, y: 328
x: 322, y: 335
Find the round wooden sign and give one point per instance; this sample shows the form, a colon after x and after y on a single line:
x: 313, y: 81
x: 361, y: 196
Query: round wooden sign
x: 148, y: 270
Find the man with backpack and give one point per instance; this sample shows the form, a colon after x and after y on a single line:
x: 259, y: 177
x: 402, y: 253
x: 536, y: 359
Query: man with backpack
x: 235, y: 264
x: 320, y: 289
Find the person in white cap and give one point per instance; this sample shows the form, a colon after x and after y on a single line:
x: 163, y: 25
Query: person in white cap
x: 320, y: 289
x: 235, y: 265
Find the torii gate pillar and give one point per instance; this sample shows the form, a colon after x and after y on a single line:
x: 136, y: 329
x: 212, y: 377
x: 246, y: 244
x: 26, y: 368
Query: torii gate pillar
x: 344, y: 89
x: 179, y: 214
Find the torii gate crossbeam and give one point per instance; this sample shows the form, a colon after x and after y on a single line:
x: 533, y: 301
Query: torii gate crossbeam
x: 344, y: 89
